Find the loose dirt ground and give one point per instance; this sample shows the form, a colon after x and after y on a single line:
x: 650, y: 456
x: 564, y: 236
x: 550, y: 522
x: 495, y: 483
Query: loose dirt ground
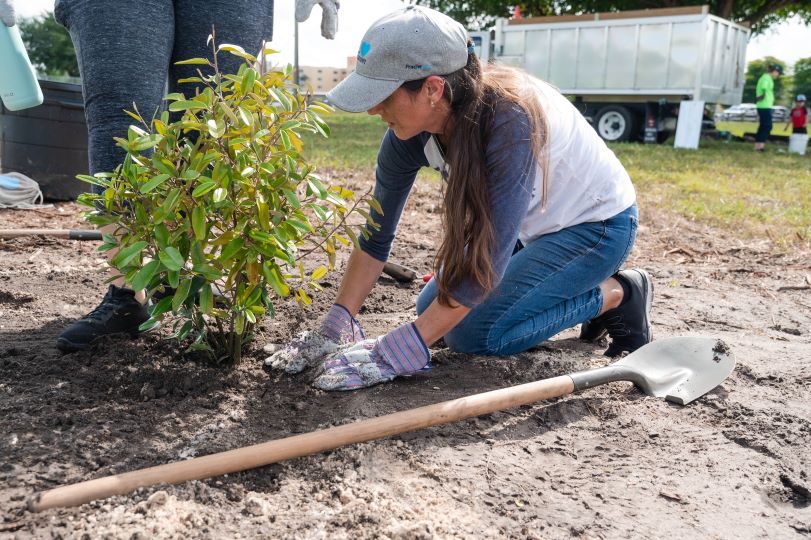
x: 606, y: 463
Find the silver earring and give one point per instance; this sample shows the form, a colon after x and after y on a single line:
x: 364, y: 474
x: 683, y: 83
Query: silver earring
x: 432, y: 104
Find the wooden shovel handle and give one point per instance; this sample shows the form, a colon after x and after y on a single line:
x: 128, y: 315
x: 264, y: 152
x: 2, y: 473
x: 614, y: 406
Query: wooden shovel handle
x: 58, y: 233
x: 301, y: 445
x: 16, y: 233
x: 399, y: 272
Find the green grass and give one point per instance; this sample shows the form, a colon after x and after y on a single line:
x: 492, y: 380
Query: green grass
x: 739, y: 129
x: 352, y: 144
x: 725, y: 184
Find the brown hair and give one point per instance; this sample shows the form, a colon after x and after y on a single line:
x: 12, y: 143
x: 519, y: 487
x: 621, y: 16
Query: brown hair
x: 473, y: 93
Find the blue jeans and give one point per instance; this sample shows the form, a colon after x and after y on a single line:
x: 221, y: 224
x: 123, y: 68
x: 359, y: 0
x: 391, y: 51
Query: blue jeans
x: 549, y: 285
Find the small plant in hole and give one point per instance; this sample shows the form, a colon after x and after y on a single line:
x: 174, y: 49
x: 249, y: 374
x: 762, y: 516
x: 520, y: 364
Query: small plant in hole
x: 216, y: 204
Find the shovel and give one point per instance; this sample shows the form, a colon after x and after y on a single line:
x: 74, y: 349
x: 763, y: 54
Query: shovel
x: 677, y: 369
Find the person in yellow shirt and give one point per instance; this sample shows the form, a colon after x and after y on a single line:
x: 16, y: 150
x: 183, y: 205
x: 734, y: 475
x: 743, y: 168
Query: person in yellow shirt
x: 764, y: 98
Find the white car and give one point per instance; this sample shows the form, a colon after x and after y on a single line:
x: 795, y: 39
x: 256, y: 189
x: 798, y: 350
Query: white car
x: 780, y: 113
x: 747, y: 112
x: 739, y: 113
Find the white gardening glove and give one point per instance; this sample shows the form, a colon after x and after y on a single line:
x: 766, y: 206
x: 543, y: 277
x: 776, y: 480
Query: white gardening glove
x: 338, y: 329
x: 7, y: 14
x: 401, y: 352
x: 329, y: 18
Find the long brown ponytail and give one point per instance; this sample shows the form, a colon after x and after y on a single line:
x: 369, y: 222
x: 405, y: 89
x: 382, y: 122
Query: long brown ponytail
x: 473, y: 93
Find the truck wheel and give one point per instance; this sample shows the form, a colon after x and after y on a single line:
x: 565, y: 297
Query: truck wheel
x: 614, y: 123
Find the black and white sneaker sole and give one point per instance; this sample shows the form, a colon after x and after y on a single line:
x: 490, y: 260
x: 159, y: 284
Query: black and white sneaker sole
x: 647, y: 284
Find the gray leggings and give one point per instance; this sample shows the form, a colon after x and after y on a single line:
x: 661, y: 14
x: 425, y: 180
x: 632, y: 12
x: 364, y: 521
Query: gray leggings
x: 127, y: 50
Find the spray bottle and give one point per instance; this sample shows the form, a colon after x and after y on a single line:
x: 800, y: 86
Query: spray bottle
x: 19, y: 88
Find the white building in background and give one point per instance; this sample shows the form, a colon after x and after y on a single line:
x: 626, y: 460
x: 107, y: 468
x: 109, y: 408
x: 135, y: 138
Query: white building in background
x: 321, y: 79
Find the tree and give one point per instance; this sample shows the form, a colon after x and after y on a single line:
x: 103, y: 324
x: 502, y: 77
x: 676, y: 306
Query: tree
x: 754, y: 70
x: 49, y: 46
x: 802, y: 77
x: 758, y: 14
x: 220, y: 199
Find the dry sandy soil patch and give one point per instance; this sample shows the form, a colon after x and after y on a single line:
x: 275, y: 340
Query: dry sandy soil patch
x: 606, y: 463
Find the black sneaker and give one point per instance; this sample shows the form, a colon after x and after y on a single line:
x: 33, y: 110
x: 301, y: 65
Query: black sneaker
x: 629, y: 324
x: 118, y: 313
x: 592, y: 330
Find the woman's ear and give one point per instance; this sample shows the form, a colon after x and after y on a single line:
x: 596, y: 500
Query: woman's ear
x: 434, y: 87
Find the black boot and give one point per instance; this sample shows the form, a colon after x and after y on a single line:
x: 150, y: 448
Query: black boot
x: 118, y: 313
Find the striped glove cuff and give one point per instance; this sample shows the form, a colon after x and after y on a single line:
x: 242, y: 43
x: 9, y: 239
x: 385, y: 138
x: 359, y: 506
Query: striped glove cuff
x: 339, y: 326
x: 404, y: 349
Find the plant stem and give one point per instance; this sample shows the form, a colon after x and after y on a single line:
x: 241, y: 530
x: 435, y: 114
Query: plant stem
x: 343, y: 220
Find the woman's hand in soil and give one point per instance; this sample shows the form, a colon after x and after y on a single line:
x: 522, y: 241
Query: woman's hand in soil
x: 339, y: 328
x: 373, y: 361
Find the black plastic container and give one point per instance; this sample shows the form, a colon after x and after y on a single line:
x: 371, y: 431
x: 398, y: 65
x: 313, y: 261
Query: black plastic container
x: 49, y: 142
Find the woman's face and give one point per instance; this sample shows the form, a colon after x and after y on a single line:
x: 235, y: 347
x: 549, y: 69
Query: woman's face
x: 408, y: 114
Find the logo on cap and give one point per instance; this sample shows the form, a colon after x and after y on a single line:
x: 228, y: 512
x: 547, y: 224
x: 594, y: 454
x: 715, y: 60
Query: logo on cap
x: 365, y: 47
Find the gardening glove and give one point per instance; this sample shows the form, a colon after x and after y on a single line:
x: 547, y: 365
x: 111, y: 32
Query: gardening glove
x: 373, y: 361
x: 338, y: 329
x: 7, y: 14
x: 329, y: 17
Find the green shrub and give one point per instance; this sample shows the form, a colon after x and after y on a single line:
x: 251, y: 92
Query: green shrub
x: 217, y: 197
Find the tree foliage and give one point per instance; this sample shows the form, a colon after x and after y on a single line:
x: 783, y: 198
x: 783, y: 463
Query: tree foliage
x: 802, y: 77
x: 758, y: 14
x: 755, y: 69
x: 49, y: 46
x: 215, y: 201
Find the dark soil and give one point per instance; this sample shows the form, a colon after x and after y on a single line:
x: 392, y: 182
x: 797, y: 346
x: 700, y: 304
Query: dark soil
x: 606, y: 463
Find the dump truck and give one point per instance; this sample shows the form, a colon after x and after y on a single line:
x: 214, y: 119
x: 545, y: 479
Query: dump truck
x: 627, y: 72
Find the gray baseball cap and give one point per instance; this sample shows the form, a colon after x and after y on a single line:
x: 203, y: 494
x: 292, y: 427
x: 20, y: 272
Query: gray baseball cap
x: 405, y: 45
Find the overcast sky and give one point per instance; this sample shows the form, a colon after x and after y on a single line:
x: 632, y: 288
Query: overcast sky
x: 788, y: 42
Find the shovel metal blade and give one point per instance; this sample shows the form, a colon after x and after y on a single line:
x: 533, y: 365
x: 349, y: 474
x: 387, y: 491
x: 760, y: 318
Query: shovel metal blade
x: 679, y: 369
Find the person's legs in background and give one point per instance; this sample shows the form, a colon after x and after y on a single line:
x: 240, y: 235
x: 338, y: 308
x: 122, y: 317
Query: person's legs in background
x: 764, y: 128
x: 239, y: 22
x: 123, y: 49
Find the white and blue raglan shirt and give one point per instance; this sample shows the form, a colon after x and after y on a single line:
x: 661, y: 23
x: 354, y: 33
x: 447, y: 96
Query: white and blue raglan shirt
x: 587, y: 182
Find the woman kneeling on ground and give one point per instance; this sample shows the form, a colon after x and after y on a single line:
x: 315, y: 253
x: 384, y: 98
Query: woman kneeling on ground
x: 539, y: 214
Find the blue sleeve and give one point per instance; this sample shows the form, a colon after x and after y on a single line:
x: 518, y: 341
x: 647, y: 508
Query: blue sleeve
x: 511, y: 168
x: 397, y: 165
